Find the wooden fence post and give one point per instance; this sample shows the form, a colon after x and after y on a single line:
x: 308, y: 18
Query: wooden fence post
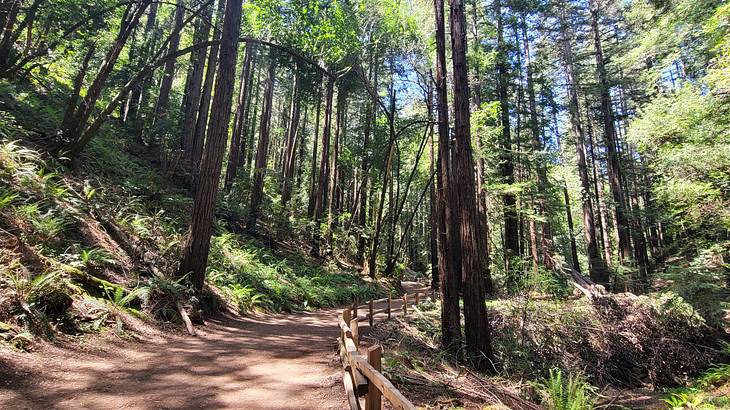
x: 355, y: 332
x: 347, y: 317
x: 373, y: 400
x: 405, y: 304
x: 389, y: 304
x: 370, y: 308
x: 417, y: 298
x: 354, y: 308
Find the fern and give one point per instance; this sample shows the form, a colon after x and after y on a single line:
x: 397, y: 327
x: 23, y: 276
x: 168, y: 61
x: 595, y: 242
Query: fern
x: 575, y: 393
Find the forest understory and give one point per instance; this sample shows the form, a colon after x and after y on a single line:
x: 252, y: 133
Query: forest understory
x: 199, y: 176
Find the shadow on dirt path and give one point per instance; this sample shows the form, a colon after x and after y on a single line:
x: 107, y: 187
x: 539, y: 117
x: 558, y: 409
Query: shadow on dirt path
x: 283, y: 361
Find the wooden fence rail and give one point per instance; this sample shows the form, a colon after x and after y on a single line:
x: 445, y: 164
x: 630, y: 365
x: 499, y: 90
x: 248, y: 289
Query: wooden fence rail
x: 361, y: 375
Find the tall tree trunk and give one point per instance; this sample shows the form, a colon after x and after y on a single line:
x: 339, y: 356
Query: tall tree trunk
x: 511, y: 225
x: 595, y: 264
x: 290, y: 146
x: 571, y: 230
x: 313, y: 193
x: 193, y: 90
x: 205, y: 98
x: 262, y: 151
x: 609, y: 137
x: 334, y: 179
x: 239, y: 123
x: 150, y: 39
x: 323, y: 191
x: 449, y: 246
x: 433, y: 206
x: 252, y: 132
x: 601, y: 220
x: 197, y: 245
x: 476, y: 324
x: 365, y: 164
x: 546, y: 242
x: 163, y: 100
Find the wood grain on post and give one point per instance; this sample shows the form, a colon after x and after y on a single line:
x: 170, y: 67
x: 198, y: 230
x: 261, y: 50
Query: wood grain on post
x: 395, y: 397
x: 354, y: 308
x: 370, y: 316
x: 373, y: 400
x: 405, y: 304
x: 389, y: 306
x: 350, y: 391
x: 417, y: 298
x: 355, y: 331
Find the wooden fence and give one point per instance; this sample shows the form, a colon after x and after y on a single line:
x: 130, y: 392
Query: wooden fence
x: 361, y: 375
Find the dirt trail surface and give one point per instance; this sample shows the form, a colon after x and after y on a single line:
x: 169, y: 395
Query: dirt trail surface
x: 257, y: 362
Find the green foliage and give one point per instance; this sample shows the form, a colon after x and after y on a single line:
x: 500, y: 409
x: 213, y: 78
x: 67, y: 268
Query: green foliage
x: 258, y: 278
x: 575, y: 393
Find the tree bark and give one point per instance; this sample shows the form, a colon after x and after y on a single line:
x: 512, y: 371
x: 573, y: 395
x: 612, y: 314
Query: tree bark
x: 205, y: 98
x: 313, y: 173
x: 448, y: 244
x: 197, y: 245
x: 163, y: 100
x: 290, y: 146
x: 238, y: 122
x: 193, y: 90
x: 609, y: 137
x: 476, y: 323
x: 595, y: 263
x: 546, y: 241
x: 262, y: 151
x: 323, y: 190
x: 511, y: 224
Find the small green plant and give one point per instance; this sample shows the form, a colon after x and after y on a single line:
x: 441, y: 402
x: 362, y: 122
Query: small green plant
x: 95, y: 257
x: 575, y: 393
x: 687, y: 400
x: 6, y: 198
x: 116, y: 297
x: 245, y: 297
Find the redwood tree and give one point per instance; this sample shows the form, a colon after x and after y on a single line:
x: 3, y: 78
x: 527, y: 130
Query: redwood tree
x: 197, y: 244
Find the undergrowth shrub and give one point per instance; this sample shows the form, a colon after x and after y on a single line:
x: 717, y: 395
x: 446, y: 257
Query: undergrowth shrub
x: 256, y: 278
x: 571, y: 393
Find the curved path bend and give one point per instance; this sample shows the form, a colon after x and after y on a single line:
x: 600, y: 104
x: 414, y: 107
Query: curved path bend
x: 282, y: 361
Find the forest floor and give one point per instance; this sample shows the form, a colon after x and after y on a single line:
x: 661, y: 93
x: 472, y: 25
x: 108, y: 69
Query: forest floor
x: 274, y: 361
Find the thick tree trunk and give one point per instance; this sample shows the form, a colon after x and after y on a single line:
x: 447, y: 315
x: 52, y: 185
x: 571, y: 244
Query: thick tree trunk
x: 365, y: 164
x: 197, y: 245
x: 448, y: 244
x: 262, y: 151
x: 476, y: 323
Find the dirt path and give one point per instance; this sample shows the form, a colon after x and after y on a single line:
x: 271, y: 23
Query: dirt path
x: 258, y: 362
